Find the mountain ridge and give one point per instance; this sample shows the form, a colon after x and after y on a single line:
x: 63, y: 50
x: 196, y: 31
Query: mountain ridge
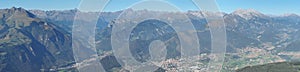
x: 235, y: 11
x: 29, y: 44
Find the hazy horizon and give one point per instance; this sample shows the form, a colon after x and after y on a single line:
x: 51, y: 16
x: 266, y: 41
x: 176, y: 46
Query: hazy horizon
x: 161, y: 11
x: 273, y: 7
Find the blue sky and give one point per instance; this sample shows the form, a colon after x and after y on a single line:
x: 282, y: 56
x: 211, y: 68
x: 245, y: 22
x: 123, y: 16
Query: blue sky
x: 264, y: 6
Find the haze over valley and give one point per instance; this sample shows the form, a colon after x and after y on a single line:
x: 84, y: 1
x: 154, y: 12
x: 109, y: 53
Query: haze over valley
x: 38, y: 40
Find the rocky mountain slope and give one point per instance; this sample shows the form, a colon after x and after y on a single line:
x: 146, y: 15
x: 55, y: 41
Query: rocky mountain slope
x: 30, y: 44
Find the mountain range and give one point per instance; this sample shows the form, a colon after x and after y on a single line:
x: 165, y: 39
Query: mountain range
x: 37, y: 40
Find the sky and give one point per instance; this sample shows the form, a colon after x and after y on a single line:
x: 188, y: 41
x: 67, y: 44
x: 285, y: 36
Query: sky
x: 265, y: 6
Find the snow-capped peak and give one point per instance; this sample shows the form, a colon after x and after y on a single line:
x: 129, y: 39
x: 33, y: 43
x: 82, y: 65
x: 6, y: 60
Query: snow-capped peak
x: 290, y: 15
x: 248, y: 13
